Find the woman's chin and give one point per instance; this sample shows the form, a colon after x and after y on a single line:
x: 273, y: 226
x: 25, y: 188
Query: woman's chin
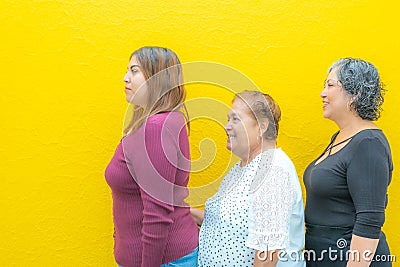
x: 229, y: 146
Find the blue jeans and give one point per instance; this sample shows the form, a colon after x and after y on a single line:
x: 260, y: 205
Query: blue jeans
x: 190, y: 260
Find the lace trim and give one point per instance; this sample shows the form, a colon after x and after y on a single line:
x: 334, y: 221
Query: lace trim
x: 270, y: 210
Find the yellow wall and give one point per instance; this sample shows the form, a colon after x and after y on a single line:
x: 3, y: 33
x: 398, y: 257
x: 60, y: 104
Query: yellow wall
x: 62, y: 100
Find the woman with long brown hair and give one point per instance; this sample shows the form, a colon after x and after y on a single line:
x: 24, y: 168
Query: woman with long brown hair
x: 149, y: 171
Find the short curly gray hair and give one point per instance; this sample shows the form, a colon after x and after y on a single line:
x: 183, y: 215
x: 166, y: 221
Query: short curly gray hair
x: 360, y: 79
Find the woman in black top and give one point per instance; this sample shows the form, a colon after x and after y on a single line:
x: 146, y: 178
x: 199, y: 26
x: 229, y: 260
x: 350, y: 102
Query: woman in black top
x: 347, y: 184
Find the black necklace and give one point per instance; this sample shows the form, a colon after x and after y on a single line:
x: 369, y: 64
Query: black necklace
x: 331, y: 145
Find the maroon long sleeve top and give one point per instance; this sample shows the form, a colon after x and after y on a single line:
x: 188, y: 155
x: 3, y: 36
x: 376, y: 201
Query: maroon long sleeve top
x: 148, y: 176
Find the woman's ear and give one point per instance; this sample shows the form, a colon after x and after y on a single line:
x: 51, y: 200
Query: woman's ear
x: 350, y: 102
x: 263, y: 126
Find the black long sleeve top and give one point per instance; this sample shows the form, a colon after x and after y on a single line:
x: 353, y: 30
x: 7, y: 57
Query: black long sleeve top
x: 349, y: 187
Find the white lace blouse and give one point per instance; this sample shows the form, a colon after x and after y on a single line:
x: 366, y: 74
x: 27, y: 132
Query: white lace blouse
x: 257, y: 207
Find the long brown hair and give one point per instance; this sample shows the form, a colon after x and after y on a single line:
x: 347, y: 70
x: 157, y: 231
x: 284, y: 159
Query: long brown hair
x: 166, y: 92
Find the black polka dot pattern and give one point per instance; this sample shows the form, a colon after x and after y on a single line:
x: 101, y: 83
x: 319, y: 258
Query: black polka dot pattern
x: 224, y: 231
x: 224, y: 236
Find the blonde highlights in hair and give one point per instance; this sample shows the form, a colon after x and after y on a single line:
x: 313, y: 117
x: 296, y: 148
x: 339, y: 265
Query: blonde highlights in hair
x: 166, y: 92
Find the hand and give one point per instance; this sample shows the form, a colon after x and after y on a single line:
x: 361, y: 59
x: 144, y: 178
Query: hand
x: 266, y: 258
x: 365, y: 247
x: 198, y: 215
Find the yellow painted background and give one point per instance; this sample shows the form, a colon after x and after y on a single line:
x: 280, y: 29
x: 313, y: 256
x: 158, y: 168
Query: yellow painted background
x: 62, y: 100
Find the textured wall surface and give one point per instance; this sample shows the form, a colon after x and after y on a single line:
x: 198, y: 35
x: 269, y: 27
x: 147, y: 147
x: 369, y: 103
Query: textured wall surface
x: 62, y: 101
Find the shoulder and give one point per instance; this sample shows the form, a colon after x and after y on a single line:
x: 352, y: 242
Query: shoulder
x: 370, y: 143
x: 282, y: 160
x: 167, y: 120
x: 161, y: 125
x: 370, y: 138
x: 275, y: 167
x: 369, y: 133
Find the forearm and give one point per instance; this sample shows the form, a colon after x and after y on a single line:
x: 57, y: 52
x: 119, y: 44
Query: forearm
x: 266, y: 258
x: 362, y: 251
x: 198, y: 215
x: 156, y: 226
x: 154, y: 240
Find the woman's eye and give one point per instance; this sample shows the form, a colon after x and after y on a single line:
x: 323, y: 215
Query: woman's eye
x: 233, y: 119
x: 134, y: 69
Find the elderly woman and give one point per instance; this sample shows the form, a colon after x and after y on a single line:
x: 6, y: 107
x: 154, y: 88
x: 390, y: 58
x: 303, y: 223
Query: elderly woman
x: 256, y: 217
x: 347, y: 184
